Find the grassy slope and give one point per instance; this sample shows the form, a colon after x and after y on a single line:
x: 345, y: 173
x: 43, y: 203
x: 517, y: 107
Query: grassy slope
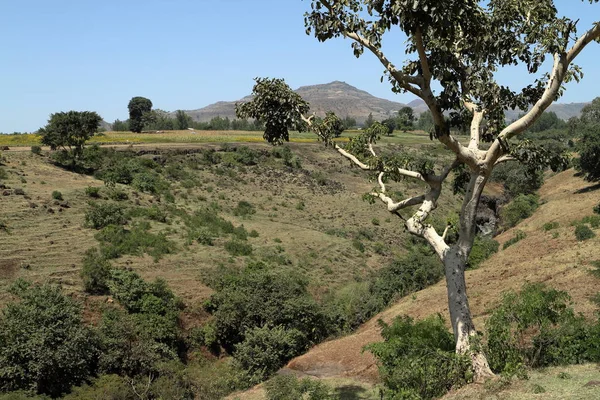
x: 560, y: 262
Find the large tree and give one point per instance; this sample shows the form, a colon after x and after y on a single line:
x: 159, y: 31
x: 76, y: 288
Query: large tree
x: 588, y: 146
x: 454, y: 47
x: 68, y: 131
x: 139, y: 110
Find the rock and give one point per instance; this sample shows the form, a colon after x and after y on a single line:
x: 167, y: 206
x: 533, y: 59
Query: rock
x: 6, y: 193
x: 50, y: 211
x: 4, y: 148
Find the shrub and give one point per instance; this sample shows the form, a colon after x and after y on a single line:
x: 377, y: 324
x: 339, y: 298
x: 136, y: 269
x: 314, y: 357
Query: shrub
x: 92, y: 191
x: 535, y: 328
x: 149, y: 182
x: 520, y: 208
x: 117, y: 195
x: 117, y: 241
x: 3, y: 174
x: 358, y: 245
x: 519, y: 235
x: 418, y: 359
x: 100, y: 215
x: 583, y: 232
x: 56, y: 195
x: 95, y: 272
x: 593, y: 220
x: 548, y: 226
x: 244, y: 209
x: 111, y: 387
x: 44, y: 346
x: 153, y: 213
x: 264, y: 350
x: 597, y: 209
x: 37, y: 150
x: 288, y: 387
x: 238, y: 248
x: 483, y: 248
x: 517, y: 179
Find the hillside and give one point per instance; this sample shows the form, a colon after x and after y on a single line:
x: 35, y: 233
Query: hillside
x: 560, y: 262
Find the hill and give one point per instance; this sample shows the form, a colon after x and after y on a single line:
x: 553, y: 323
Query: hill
x: 560, y: 262
x: 339, y: 97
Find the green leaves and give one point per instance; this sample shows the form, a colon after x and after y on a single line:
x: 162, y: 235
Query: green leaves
x: 140, y: 112
x: 278, y: 106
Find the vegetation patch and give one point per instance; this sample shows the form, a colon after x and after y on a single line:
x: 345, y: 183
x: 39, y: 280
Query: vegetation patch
x: 519, y: 235
x: 117, y: 241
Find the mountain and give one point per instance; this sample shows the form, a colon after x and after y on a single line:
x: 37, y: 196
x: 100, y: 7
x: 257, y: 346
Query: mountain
x: 346, y: 100
x: 339, y: 97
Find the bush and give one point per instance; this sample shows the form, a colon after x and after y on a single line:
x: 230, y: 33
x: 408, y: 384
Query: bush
x: 593, y: 220
x: 56, y: 195
x: 92, y: 191
x: 117, y: 195
x: 597, y: 209
x: 100, y: 215
x: 244, y: 209
x: 520, y: 208
x: 288, y: 387
x: 583, y: 232
x: 418, y: 360
x: 117, y: 241
x: 517, y: 179
x: 483, y: 248
x: 95, y: 272
x: 149, y: 182
x: 37, y: 150
x: 44, y: 346
x: 589, y: 148
x: 265, y: 350
x: 238, y: 248
x: 111, y: 387
x: 519, y: 235
x: 548, y: 226
x: 536, y: 328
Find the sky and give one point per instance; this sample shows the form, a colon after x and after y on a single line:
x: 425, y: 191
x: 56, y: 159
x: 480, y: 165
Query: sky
x: 95, y: 55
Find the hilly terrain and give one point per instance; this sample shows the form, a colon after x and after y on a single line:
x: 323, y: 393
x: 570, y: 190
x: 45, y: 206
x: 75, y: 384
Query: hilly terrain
x: 346, y: 100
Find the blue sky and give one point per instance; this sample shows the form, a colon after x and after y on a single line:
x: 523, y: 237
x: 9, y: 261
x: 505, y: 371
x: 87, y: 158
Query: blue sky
x: 95, y: 55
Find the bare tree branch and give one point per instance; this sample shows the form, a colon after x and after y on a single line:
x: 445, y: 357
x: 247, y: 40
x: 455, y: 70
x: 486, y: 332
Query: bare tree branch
x: 505, y: 159
x: 422, y: 56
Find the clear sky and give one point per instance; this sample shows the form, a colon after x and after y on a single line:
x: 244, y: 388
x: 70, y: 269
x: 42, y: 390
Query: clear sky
x: 60, y: 55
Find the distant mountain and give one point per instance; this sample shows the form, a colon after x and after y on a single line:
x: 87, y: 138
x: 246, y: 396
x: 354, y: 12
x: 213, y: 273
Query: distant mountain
x: 339, y: 97
x: 346, y: 100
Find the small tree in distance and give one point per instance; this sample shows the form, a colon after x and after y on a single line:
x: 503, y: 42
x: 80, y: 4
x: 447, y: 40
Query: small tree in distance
x: 459, y: 45
x: 406, y: 118
x: 139, y: 109
x: 69, y: 131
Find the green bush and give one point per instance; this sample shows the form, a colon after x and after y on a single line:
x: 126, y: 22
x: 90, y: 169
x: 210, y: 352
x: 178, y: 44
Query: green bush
x: 37, y: 150
x: 548, y: 226
x: 153, y: 213
x: 111, y: 387
x: 593, y: 220
x: 244, y: 209
x: 517, y: 179
x: 3, y: 174
x: 92, y: 191
x: 537, y: 328
x: 417, y: 360
x: 264, y: 350
x: 288, y: 387
x: 483, y: 248
x: 519, y: 235
x: 520, y: 208
x: 117, y: 195
x: 44, y: 346
x: 117, y: 241
x: 597, y: 209
x: 56, y: 195
x: 100, y: 215
x: 149, y: 182
x: 583, y: 232
x: 95, y: 272
x: 238, y: 248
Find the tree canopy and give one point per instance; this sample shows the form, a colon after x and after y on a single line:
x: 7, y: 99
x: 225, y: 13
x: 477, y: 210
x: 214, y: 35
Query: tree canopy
x: 139, y: 109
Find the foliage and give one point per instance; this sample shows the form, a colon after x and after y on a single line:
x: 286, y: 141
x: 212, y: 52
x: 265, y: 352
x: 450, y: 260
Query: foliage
x: 417, y: 360
x: 238, y: 248
x: 589, y: 148
x: 536, y: 328
x: 482, y: 249
x: 44, y: 346
x: 116, y: 241
x: 120, y: 126
x: 520, y: 208
x: 516, y: 178
x: 244, y: 209
x: 264, y: 350
x: 405, y: 119
x: 100, y: 215
x: 519, y: 235
x: 111, y: 387
x: 583, y: 232
x: 149, y: 182
x: 597, y: 208
x: 548, y: 226
x: 92, y: 191
x: 139, y: 109
x: 69, y: 131
x: 288, y: 387
x: 95, y: 272
x: 259, y: 296
x: 37, y: 150
x: 56, y: 195
x: 277, y: 106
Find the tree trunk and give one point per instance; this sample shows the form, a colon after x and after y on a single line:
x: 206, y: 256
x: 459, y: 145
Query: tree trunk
x: 455, y: 262
x: 460, y: 314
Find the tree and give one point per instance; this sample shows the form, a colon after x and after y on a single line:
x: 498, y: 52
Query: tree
x: 390, y: 124
x: 588, y: 127
x: 120, y: 126
x: 69, y: 131
x: 459, y: 45
x: 184, y: 121
x: 44, y: 346
x: 406, y: 118
x: 369, y: 121
x: 138, y: 107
